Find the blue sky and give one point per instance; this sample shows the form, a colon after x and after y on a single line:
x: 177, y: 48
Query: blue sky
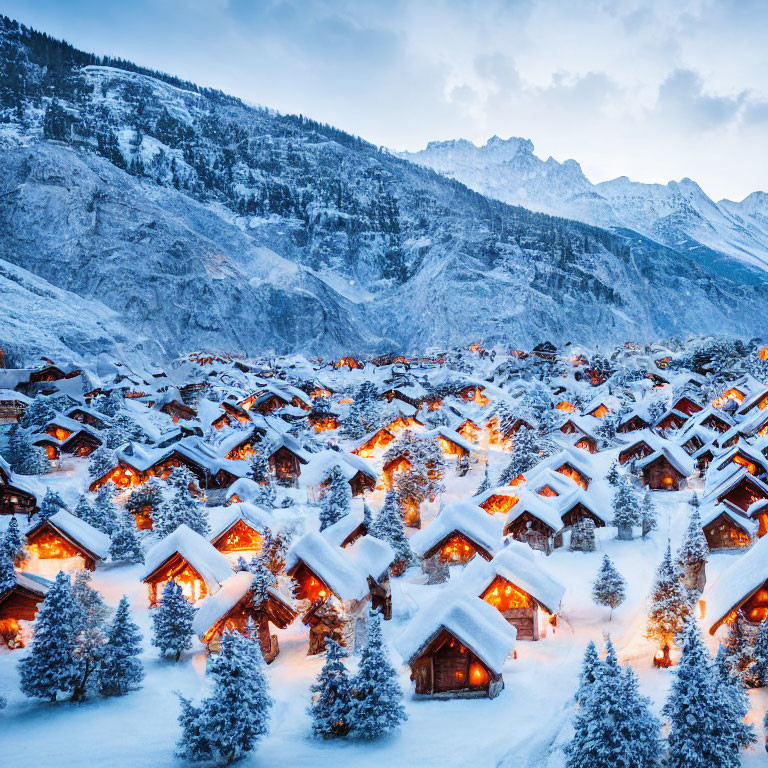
x: 651, y: 89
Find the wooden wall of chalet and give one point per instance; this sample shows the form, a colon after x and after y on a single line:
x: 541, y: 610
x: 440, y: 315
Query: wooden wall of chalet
x: 285, y: 466
x: 723, y: 533
x: 48, y: 544
x: 447, y: 668
x: 14, y: 501
x: 17, y: 604
x: 534, y: 532
x: 516, y: 606
x: 660, y: 475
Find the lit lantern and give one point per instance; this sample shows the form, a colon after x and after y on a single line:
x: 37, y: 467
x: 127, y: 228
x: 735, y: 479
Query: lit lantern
x: 478, y: 676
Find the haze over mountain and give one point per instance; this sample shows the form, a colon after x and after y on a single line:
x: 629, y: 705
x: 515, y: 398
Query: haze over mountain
x: 678, y: 214
x: 169, y: 217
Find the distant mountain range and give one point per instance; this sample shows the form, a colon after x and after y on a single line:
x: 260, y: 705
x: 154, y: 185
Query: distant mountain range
x: 142, y: 212
x: 678, y: 214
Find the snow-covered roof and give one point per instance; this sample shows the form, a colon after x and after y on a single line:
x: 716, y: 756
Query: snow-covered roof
x: 521, y: 566
x: 736, y: 583
x: 710, y: 512
x: 471, y: 520
x: 11, y: 394
x: 452, y: 436
x: 539, y: 507
x: 33, y: 582
x: 223, y: 518
x: 472, y: 621
x: 78, y: 532
x: 210, y: 564
x: 321, y: 463
x: 338, y: 532
x: 344, y: 571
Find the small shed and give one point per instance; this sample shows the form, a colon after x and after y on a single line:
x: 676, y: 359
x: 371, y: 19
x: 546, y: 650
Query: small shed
x: 456, y: 647
x: 18, y: 607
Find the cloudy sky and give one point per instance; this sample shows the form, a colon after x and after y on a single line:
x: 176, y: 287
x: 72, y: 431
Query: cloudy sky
x: 651, y: 89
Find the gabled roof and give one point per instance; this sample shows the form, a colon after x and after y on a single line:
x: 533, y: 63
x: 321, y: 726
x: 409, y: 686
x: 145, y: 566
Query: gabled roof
x: 223, y: 518
x: 520, y: 565
x: 210, y: 564
x: 78, y: 532
x: 737, y: 583
x: 463, y: 517
x: 320, y: 465
x: 472, y: 621
x: 711, y: 512
x: 535, y: 505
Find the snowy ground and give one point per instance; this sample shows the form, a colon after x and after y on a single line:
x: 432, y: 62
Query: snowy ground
x: 522, y: 728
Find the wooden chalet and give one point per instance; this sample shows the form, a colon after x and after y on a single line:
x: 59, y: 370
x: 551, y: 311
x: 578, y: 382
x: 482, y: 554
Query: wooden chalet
x: 192, y: 561
x: 516, y: 583
x: 461, y: 531
x: 739, y: 488
x: 65, y: 435
x: 498, y: 501
x: 726, y: 527
x: 232, y: 607
x: 336, y: 586
x: 360, y: 476
x: 178, y: 410
x: 666, y: 470
x: 239, y: 531
x: 577, y: 507
x: 16, y: 498
x: 64, y: 542
x: 535, y: 522
x: 13, y: 406
x: 742, y: 587
x: 456, y: 647
x: 18, y: 608
x: 632, y: 423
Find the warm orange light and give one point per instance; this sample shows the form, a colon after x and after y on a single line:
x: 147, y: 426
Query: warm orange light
x: 564, y: 405
x: 457, y: 550
x: 741, y: 461
x: 667, y: 480
x: 505, y: 596
x: 600, y: 411
x: 732, y: 395
x: 547, y: 492
x: 764, y: 353
x: 499, y: 504
x: 59, y: 433
x: 569, y: 471
x: 478, y: 676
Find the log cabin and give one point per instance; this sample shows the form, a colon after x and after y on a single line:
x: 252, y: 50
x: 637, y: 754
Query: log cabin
x: 535, y: 522
x: 192, y: 561
x: 738, y: 487
x: 64, y: 542
x: 726, y: 527
x: 742, y: 586
x: 497, y: 501
x: 360, y: 475
x: 744, y: 455
x: 238, y: 530
x: 232, y: 608
x: 579, y: 506
x: 17, y: 497
x: 336, y: 586
x: 458, y: 533
x: 18, y: 608
x: 456, y: 647
x: 666, y: 470
x: 374, y: 444
x: 517, y: 584
x: 13, y: 406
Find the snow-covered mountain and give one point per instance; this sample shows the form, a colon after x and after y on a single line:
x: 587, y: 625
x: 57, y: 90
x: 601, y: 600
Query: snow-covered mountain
x: 677, y: 214
x: 198, y: 221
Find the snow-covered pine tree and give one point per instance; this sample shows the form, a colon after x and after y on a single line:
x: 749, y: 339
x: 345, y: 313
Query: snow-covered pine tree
x: 101, y: 461
x: 33, y: 460
x: 104, y: 509
x: 181, y: 507
x: 367, y: 400
x: 590, y: 669
x: 7, y: 571
x: 12, y: 543
x: 739, y: 651
x: 389, y: 527
x: 261, y: 474
x: 613, y: 477
x: 367, y: 517
x: 353, y: 425
x: 52, y: 664
x: 38, y: 413
x: 145, y: 499
x: 699, y: 713
x: 735, y: 701
x: 485, y: 483
x: 614, y: 725
x: 90, y: 639
x: 525, y: 455
x: 694, y: 553
x: 670, y: 606
x: 377, y: 704
x: 172, y: 622
x: 760, y: 655
x: 228, y: 724
x: 648, y: 518
x: 609, y: 587
x: 337, y: 499
x: 125, y: 546
x: 84, y: 510
x: 626, y: 510
x: 121, y: 670
x: 331, y: 706
x: 50, y: 504
x: 263, y: 578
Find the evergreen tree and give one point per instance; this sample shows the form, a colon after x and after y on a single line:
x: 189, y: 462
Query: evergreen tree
x: 125, y: 544
x: 121, y: 670
x: 145, y: 499
x: 353, y: 425
x: 613, y: 725
x: 50, y: 504
x: 648, y: 518
x: 376, y: 708
x: 525, y: 455
x: 694, y: 552
x: 613, y: 477
x: 735, y: 700
x: 609, y: 586
x: 33, y: 459
x: 7, y: 571
x: 172, y: 622
x: 12, y: 543
x: 104, y: 509
x: 700, y: 715
x: 337, y: 499
x: 738, y: 650
x: 181, y: 507
x: 38, y: 413
x: 261, y: 474
x: 626, y: 511
x: 590, y: 669
x: 235, y: 717
x: 367, y: 517
x: 52, y: 664
x: 760, y: 654
x: 485, y: 483
x: 670, y: 607
x: 90, y: 639
x: 388, y: 527
x: 331, y: 707
x: 101, y: 461
x: 85, y: 511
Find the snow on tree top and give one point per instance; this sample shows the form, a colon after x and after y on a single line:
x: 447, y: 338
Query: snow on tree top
x: 210, y: 564
x: 475, y: 623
